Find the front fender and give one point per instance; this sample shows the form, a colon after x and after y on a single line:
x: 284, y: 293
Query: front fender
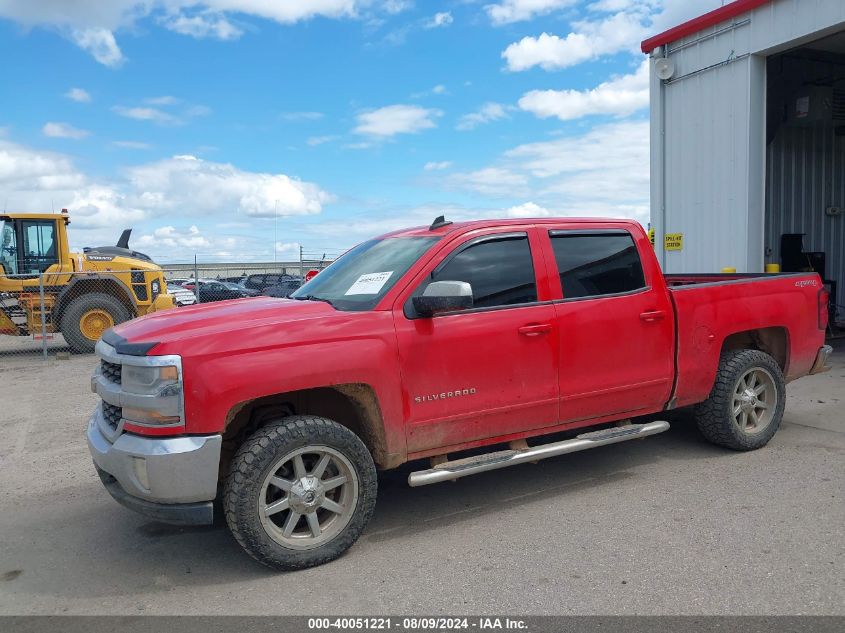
x: 362, y: 352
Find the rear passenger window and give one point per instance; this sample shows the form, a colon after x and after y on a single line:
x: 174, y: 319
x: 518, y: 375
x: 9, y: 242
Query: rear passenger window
x: 500, y: 272
x: 597, y: 264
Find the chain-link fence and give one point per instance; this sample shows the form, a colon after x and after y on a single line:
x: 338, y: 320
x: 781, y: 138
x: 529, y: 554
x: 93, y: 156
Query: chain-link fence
x: 43, y: 314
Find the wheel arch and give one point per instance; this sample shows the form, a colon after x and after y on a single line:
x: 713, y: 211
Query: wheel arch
x: 86, y: 285
x: 774, y: 341
x: 352, y: 405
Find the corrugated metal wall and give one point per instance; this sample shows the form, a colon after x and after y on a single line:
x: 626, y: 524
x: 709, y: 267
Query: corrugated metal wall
x: 707, y: 182
x: 805, y: 174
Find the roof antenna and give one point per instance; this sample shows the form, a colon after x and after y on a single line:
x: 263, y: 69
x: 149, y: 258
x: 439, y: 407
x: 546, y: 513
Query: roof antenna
x: 439, y: 221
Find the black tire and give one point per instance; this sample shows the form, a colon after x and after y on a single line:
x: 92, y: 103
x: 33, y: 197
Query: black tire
x: 261, y: 456
x: 715, y: 416
x: 70, y: 325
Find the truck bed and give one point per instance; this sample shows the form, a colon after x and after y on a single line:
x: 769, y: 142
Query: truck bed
x: 780, y: 311
x: 722, y: 278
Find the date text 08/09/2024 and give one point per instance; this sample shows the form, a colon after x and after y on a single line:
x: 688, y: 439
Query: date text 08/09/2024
x: 416, y: 623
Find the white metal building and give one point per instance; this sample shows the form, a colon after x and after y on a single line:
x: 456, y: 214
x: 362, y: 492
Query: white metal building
x: 748, y: 138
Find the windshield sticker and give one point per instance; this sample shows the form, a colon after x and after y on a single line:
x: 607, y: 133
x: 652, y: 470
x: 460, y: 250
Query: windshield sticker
x: 369, y: 284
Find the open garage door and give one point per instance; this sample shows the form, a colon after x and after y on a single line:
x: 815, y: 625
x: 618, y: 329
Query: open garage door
x: 805, y: 163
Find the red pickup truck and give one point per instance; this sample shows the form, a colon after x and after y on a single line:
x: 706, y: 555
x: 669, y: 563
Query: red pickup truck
x: 461, y: 342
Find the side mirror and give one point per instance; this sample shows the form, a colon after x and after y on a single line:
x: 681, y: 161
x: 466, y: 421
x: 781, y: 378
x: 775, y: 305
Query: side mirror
x: 443, y: 296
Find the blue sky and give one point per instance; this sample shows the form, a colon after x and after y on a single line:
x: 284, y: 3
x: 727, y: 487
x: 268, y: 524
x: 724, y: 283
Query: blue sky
x: 239, y: 129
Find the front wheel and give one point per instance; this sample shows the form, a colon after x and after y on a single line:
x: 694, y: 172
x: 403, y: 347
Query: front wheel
x: 86, y: 318
x: 299, y: 492
x: 746, y: 404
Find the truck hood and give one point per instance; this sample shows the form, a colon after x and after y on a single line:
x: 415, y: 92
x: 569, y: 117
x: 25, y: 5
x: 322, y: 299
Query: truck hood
x: 175, y: 329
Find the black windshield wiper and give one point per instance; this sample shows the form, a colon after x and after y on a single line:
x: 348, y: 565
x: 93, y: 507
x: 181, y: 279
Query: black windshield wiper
x: 314, y: 298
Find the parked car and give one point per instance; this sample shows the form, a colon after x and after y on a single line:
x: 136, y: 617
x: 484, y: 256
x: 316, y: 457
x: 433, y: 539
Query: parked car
x: 264, y: 280
x: 208, y: 291
x: 182, y: 296
x: 283, y: 289
x: 233, y: 280
x: 180, y: 281
x: 425, y: 343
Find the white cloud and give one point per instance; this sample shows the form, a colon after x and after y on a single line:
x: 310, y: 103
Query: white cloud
x: 163, y: 100
x: 100, y: 206
x: 171, y: 237
x: 79, y: 95
x: 396, y: 6
x: 63, y: 130
x: 287, y: 247
x: 437, y: 165
x: 509, y: 11
x: 160, y: 115
x: 527, y: 210
x: 24, y: 170
x: 33, y: 180
x: 141, y: 113
x: 396, y: 119
x: 492, y: 181
x: 189, y: 184
x: 443, y: 18
x: 589, y: 40
x: 91, y: 23
x: 439, y: 89
x: 100, y: 43
x: 619, y: 96
x: 487, y: 113
x: 203, y: 25
x: 313, y: 141
x: 602, y: 172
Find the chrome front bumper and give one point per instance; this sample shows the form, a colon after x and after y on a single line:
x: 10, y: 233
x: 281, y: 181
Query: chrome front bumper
x: 160, y: 477
x: 821, y: 360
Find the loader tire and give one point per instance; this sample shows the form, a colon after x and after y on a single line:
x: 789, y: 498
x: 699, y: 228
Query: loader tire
x: 745, y: 407
x: 299, y: 492
x: 86, y: 318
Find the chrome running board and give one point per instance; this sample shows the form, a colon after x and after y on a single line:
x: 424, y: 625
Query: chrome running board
x: 502, y: 459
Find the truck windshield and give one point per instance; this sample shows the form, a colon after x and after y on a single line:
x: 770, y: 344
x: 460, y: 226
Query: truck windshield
x: 361, y: 277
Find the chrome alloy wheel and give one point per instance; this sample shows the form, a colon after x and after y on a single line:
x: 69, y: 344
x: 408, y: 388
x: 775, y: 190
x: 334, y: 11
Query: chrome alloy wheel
x: 754, y: 401
x: 308, y: 497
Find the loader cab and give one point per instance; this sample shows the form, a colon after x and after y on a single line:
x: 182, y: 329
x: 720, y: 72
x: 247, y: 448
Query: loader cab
x: 29, y: 244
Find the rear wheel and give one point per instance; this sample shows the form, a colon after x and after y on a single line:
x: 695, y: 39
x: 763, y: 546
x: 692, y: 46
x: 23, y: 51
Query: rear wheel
x: 745, y: 408
x: 299, y: 492
x: 87, y: 317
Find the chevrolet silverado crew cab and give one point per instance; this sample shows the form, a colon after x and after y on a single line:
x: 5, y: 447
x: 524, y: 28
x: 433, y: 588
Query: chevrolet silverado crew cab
x: 461, y: 343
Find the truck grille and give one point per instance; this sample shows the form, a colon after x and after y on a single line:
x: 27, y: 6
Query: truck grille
x: 112, y: 415
x: 112, y: 371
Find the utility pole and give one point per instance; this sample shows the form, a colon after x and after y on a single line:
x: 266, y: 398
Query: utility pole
x: 196, y: 280
x: 275, y: 225
x: 301, y: 276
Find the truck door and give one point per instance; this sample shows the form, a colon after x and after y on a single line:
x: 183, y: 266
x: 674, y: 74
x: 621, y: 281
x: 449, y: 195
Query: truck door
x: 490, y: 370
x: 615, y: 326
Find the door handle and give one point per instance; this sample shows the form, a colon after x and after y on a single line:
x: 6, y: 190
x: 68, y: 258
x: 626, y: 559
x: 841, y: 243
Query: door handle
x: 535, y: 329
x: 653, y: 315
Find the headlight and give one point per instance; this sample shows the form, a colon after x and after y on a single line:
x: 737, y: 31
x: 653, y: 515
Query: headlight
x: 151, y: 381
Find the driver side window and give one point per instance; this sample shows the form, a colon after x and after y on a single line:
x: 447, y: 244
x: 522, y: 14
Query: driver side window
x: 8, y: 250
x: 499, y: 269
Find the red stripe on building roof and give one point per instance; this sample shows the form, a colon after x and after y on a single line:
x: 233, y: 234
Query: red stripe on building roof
x: 738, y: 7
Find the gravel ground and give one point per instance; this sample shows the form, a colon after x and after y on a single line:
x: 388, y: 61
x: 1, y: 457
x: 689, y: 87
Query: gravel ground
x: 666, y: 525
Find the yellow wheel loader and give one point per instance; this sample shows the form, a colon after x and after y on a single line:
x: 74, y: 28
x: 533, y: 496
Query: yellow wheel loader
x: 84, y: 293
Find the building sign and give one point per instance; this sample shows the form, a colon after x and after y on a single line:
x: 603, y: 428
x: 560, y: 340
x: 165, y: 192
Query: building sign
x: 673, y: 241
